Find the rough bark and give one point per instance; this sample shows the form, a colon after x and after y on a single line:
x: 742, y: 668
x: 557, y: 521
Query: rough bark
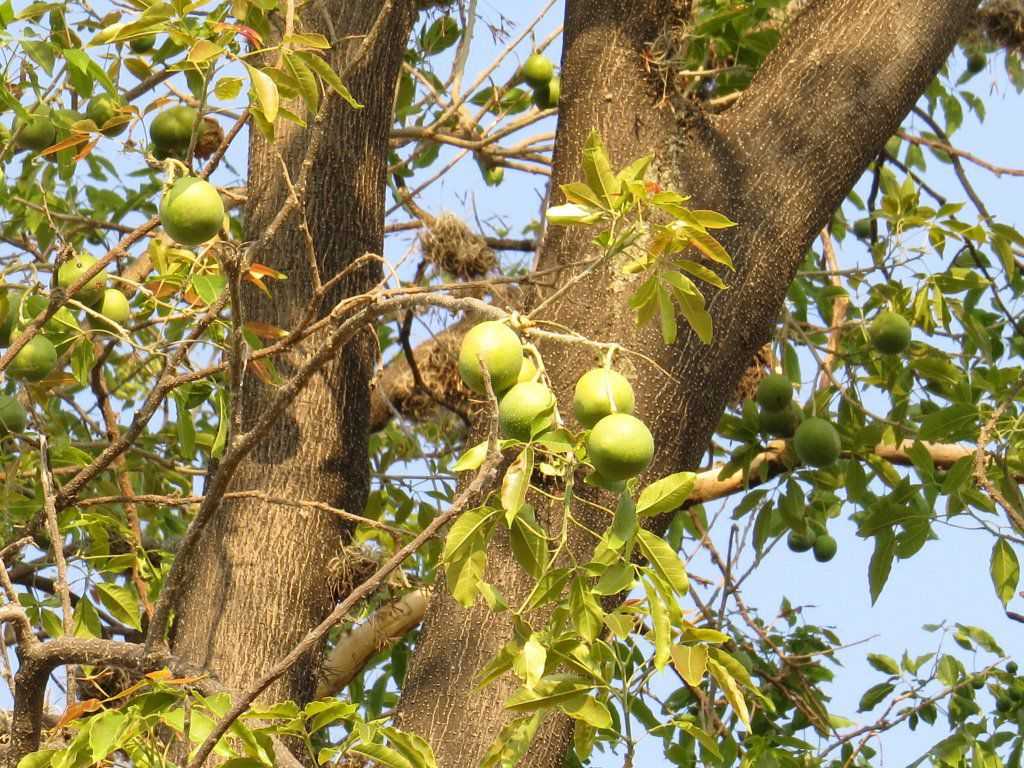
x: 779, y: 162
x: 262, y: 572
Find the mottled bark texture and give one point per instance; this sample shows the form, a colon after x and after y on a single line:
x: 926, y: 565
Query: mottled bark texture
x: 261, y: 576
x: 779, y: 162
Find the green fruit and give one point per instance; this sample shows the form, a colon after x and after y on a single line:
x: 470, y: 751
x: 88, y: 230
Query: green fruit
x: 494, y: 175
x: 1004, y: 705
x: 102, y: 110
x: 525, y: 410
x: 824, y: 548
x: 192, y: 211
x: 142, y: 44
x: 528, y: 370
x: 1011, y: 667
x: 61, y: 324
x: 600, y: 392
x: 501, y: 350
x: 115, y: 308
x: 39, y: 132
x: 547, y: 95
x: 781, y: 423
x: 862, y: 228
x: 92, y: 292
x: 774, y: 393
x: 799, y: 542
x: 10, y: 319
x: 34, y: 361
x: 978, y: 683
x: 12, y: 416
x: 537, y: 70
x: 620, y: 446
x: 171, y: 130
x: 976, y: 63
x: 889, y: 333
x: 817, y: 443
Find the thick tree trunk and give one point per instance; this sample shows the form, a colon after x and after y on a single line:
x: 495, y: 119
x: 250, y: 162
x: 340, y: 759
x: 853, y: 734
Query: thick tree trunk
x: 262, y: 575
x: 779, y: 162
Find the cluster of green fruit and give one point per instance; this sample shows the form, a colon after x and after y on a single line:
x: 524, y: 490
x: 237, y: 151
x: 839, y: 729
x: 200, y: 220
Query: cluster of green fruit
x: 38, y: 357
x: 45, y: 126
x: 1011, y: 699
x: 539, y: 74
x: 618, y: 444
x: 824, y: 546
x: 815, y: 440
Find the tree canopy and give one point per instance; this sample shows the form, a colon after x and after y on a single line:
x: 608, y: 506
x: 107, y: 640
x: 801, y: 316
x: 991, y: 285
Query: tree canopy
x: 306, y: 461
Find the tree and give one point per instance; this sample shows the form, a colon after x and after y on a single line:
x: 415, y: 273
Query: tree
x: 226, y: 567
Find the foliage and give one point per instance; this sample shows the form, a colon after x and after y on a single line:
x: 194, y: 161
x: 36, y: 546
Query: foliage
x: 632, y: 643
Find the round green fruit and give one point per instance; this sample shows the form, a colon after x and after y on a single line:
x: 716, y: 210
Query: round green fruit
x: 12, y: 416
x: 1011, y: 667
x: 494, y: 175
x: 71, y: 270
x: 1004, y: 705
x: 114, y: 308
x: 978, y: 683
x: 774, y: 393
x: 547, y: 95
x: 501, y: 350
x: 538, y: 70
x: 192, y: 211
x: 38, y: 133
x: 102, y: 110
x: 600, y: 392
x: 525, y: 410
x: 61, y: 324
x: 10, y: 318
x: 862, y: 228
x: 781, y: 423
x: 171, y: 130
x: 142, y: 44
x: 889, y: 333
x: 528, y: 370
x: 824, y: 548
x: 799, y: 542
x: 34, y: 361
x: 976, y: 63
x: 620, y: 446
x: 816, y: 442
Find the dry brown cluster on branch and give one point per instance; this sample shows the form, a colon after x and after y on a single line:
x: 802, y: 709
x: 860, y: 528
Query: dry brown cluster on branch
x: 759, y: 367
x: 452, y: 247
x: 1002, y: 22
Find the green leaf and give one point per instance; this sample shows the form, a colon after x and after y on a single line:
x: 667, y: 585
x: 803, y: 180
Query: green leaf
x: 531, y: 660
x: 470, y: 524
x: 662, y: 626
x: 874, y: 695
x: 705, y: 739
x: 516, y: 483
x: 664, y: 560
x: 691, y: 662
x: 104, y: 730
x: 1005, y: 570
x: 267, y: 97
x: 598, y: 171
x: 572, y: 213
x: 203, y: 51
x: 589, y: 710
x: 712, y: 219
x: 120, y: 602
x: 881, y: 562
x: 551, y: 691
x: 42, y: 759
x: 228, y: 88
x: 471, y: 459
x: 329, y: 76
x: 884, y: 663
x: 386, y: 756
x: 528, y: 542
x: 665, y: 495
x: 732, y: 692
x: 513, y: 742
x: 209, y: 287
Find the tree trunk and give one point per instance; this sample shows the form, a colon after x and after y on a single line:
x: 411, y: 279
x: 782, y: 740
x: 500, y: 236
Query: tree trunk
x: 262, y: 572
x: 779, y: 162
